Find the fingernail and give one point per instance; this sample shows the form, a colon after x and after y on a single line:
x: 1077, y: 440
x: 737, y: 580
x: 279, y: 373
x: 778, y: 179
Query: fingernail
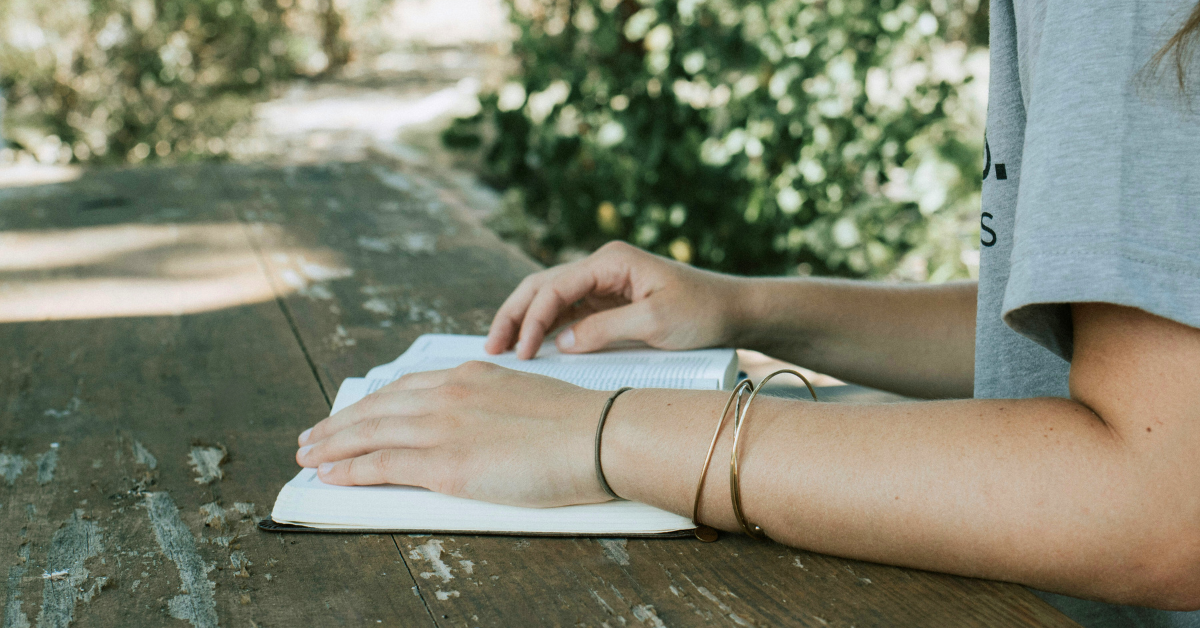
x: 324, y: 468
x: 566, y: 339
x: 305, y: 434
x: 304, y: 450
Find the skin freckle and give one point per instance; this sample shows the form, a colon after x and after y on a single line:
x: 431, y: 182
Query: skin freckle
x: 1147, y: 429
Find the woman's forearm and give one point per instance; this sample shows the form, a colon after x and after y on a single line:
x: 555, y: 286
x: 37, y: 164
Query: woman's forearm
x: 1093, y: 496
x: 1035, y: 491
x: 913, y: 340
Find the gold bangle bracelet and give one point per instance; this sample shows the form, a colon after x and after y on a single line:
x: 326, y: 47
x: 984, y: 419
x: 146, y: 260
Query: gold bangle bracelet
x: 735, y: 492
x: 708, y: 534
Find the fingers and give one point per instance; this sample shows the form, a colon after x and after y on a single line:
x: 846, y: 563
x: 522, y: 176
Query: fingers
x: 503, y: 332
x: 532, y: 310
x: 550, y: 302
x: 364, y: 437
x: 404, y: 397
x: 629, y: 322
x: 385, y: 466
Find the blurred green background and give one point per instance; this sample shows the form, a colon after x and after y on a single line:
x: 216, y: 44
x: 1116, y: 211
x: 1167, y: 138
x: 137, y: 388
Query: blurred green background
x: 826, y: 137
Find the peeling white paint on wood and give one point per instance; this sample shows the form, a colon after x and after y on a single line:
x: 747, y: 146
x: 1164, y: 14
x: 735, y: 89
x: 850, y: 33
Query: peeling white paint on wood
x: 240, y: 563
x: 318, y: 272
x: 616, y: 549
x: 71, y: 546
x: 214, y: 515
x: 72, y: 406
x: 14, y: 617
x: 646, y: 614
x: 431, y: 551
x: 378, y: 245
x: 195, y: 604
x: 341, y: 338
x: 207, y: 463
x: 378, y: 306
x: 46, y: 464
x: 418, y: 243
x: 11, y: 466
x: 711, y: 597
x: 142, y: 456
x: 602, y: 602
x: 97, y: 585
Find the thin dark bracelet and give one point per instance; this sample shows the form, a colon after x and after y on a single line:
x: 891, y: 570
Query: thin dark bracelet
x: 600, y: 431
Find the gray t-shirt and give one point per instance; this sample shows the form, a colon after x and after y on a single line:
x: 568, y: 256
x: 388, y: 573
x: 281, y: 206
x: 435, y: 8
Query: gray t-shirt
x: 1091, y: 193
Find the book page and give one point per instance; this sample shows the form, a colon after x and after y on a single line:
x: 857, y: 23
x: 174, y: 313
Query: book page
x: 711, y: 369
x: 306, y: 500
x: 353, y: 389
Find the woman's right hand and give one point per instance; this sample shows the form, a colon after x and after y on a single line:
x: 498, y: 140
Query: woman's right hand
x: 618, y: 293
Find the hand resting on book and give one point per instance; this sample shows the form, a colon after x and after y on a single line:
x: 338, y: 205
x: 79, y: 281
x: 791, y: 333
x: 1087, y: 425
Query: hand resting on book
x: 479, y: 431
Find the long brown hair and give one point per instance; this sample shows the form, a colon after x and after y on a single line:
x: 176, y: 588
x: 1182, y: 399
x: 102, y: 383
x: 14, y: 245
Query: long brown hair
x: 1179, y: 49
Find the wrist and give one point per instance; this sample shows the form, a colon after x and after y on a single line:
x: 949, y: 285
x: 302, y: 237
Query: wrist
x: 654, y: 447
x: 770, y: 313
x: 586, y: 481
x: 739, y: 310
x: 750, y: 309
x: 597, y: 464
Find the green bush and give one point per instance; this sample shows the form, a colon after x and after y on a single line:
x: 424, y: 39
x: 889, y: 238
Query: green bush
x: 127, y: 80
x: 835, y: 137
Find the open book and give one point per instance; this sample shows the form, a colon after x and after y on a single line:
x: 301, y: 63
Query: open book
x: 306, y: 503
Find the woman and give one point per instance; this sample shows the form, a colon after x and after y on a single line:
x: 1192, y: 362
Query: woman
x: 1067, y: 464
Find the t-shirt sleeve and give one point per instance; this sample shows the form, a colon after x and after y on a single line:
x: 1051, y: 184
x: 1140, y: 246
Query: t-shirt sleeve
x: 1108, y: 208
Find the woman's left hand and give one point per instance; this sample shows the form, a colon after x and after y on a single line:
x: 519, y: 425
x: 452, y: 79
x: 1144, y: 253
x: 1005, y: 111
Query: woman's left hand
x: 479, y: 431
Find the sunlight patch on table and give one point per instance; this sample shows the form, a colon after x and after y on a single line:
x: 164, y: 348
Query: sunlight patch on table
x: 33, y: 174
x: 135, y: 270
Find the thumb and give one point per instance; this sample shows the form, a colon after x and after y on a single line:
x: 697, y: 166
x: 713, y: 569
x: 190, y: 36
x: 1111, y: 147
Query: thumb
x: 594, y: 332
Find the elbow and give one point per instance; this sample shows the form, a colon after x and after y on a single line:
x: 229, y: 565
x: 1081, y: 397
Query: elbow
x: 1179, y: 588
x: 1166, y: 573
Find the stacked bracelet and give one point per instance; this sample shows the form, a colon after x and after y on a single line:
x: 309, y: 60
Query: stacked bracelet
x: 735, y: 491
x: 705, y: 533
x: 599, y: 432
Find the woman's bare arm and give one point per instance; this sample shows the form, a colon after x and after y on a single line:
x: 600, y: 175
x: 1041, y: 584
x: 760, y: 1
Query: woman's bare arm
x: 914, y: 340
x: 1095, y: 496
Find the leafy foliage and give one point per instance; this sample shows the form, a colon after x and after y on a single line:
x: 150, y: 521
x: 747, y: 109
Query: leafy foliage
x: 834, y: 137
x: 127, y: 80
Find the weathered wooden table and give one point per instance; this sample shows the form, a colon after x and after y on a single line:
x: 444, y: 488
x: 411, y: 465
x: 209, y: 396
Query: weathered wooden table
x: 166, y: 333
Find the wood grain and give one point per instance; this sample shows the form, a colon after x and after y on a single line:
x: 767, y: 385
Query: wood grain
x: 128, y: 399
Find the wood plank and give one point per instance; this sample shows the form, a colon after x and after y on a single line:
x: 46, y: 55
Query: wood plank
x: 414, y: 262
x: 109, y: 418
